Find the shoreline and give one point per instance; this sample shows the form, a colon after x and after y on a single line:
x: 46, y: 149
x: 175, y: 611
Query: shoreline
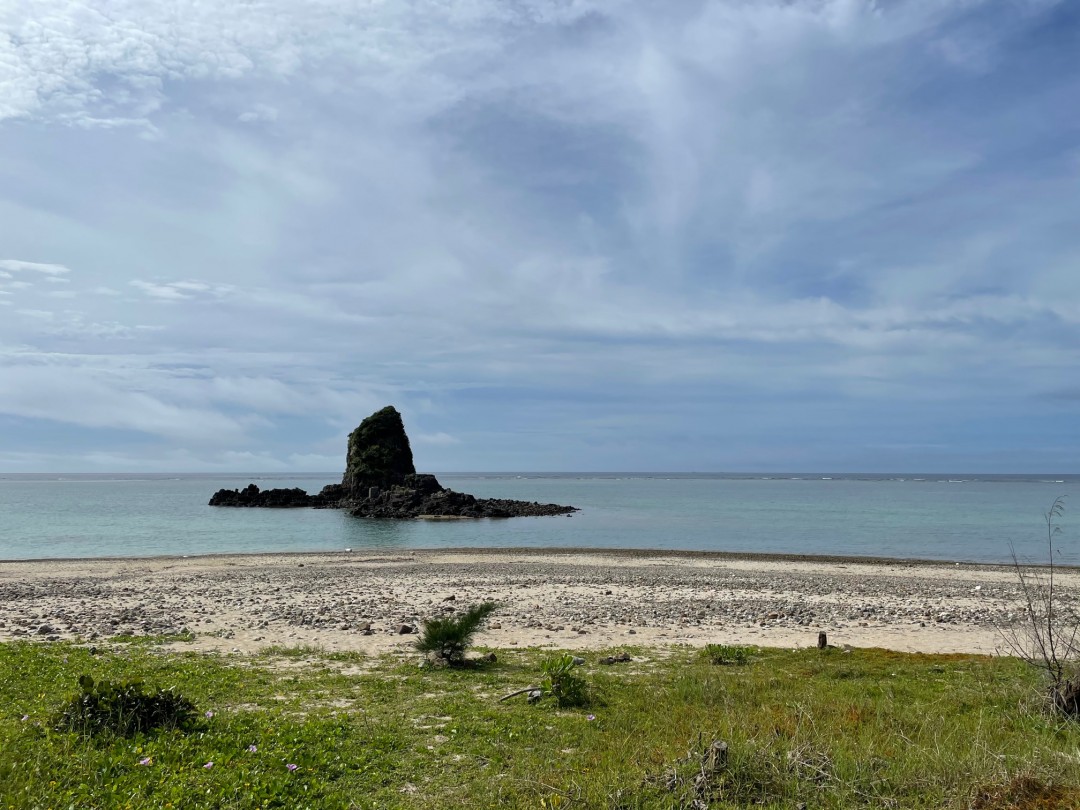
x: 555, y: 598
x: 525, y: 551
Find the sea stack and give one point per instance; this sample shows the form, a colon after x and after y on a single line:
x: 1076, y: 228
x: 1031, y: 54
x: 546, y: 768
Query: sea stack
x: 381, y: 481
x: 379, y: 453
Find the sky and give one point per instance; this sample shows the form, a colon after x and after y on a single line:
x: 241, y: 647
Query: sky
x: 557, y: 235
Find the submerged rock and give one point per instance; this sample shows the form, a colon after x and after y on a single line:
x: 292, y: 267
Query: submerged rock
x: 381, y: 481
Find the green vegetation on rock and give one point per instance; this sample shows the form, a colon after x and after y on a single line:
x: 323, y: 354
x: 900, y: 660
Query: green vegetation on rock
x: 379, y: 453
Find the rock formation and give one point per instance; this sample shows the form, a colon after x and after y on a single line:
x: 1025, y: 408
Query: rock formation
x: 251, y: 495
x: 381, y: 481
x: 379, y: 453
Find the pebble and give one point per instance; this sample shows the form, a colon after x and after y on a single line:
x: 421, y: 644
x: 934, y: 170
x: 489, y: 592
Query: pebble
x: 333, y: 597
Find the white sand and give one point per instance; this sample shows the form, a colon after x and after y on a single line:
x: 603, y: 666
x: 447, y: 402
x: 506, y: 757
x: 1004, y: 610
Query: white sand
x: 573, y: 600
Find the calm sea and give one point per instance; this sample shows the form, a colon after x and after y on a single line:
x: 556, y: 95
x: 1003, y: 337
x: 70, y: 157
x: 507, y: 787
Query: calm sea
x: 956, y: 517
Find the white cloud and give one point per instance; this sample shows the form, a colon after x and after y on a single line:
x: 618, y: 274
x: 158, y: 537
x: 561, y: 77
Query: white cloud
x: 18, y: 266
x: 37, y: 314
x: 106, y: 401
x: 163, y: 291
x: 74, y: 326
x: 180, y: 290
x: 346, y: 204
x: 439, y: 439
x: 259, y: 113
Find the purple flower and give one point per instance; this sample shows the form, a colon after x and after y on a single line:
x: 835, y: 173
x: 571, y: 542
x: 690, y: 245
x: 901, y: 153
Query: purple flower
x: 291, y: 767
x: 209, y: 714
x: 146, y: 760
x: 253, y: 748
x: 590, y: 717
x: 25, y: 717
x: 209, y: 765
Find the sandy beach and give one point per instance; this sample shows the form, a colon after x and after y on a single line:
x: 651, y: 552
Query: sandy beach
x: 560, y: 599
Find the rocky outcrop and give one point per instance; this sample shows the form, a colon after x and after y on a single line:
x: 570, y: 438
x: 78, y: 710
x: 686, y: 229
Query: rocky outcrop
x: 381, y: 481
x: 251, y: 495
x: 379, y: 454
x: 421, y: 496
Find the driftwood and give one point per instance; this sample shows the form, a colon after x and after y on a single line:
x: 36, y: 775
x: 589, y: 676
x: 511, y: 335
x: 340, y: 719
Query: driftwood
x: 520, y: 692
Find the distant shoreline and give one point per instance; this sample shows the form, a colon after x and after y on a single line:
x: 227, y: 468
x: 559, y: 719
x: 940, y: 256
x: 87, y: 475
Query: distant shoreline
x: 527, y: 551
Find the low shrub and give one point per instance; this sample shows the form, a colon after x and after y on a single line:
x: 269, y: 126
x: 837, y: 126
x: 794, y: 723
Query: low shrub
x: 448, y: 638
x: 124, y: 709
x: 1047, y: 635
x: 564, y: 684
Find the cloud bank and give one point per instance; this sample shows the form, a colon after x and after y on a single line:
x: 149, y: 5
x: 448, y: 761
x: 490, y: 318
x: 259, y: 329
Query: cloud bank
x: 811, y: 235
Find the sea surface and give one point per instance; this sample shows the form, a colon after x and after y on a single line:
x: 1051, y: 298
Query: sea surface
x: 957, y: 517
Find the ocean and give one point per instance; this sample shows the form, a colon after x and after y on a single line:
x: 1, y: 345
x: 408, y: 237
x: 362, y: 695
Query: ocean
x: 936, y: 517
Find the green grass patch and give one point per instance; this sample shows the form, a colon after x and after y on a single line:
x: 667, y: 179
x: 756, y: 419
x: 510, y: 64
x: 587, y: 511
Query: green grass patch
x: 153, y: 640
x: 721, y: 654
x: 869, y: 728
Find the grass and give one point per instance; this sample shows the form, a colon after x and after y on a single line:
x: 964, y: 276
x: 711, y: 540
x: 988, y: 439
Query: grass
x: 721, y: 654
x: 865, y: 729
x: 150, y: 640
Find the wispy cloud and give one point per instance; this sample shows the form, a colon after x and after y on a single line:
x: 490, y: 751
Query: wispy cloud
x: 545, y: 230
x: 18, y: 266
x: 180, y: 290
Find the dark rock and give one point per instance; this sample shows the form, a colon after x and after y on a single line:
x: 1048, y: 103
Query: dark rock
x: 379, y: 454
x: 437, y: 661
x: 331, y: 495
x: 251, y: 495
x: 380, y: 481
x: 405, y: 629
x: 403, y: 503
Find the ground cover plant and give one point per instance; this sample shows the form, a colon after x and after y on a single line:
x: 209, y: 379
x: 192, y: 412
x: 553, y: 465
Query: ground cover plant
x: 303, y: 729
x: 123, y: 708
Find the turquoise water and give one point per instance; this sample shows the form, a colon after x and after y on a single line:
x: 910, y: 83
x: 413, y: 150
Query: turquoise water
x: 939, y: 517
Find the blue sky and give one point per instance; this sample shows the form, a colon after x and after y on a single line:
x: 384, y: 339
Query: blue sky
x: 711, y: 236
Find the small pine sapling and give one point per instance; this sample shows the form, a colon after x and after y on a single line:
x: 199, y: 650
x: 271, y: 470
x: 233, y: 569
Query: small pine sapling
x: 446, y: 639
